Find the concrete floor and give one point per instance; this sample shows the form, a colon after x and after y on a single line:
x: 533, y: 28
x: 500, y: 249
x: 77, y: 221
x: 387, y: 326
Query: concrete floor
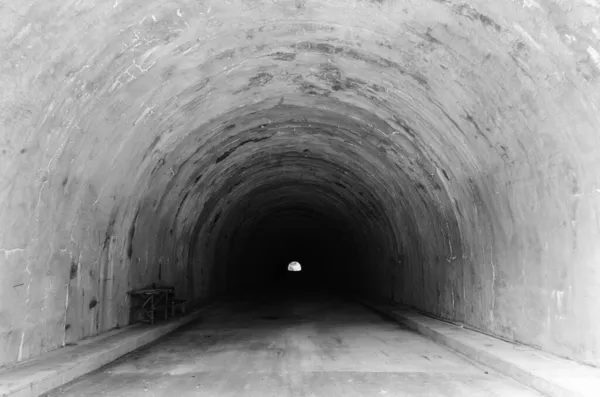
x: 310, y: 346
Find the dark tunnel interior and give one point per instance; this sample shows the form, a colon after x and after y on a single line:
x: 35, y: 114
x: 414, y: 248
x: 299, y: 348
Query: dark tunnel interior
x: 324, y: 239
x: 313, y: 220
x: 288, y: 182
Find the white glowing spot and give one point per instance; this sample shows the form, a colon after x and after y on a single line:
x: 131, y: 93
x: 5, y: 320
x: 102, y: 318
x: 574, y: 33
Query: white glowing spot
x: 294, y: 267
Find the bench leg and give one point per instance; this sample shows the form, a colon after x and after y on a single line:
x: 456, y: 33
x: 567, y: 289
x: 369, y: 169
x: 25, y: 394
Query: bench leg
x: 167, y: 306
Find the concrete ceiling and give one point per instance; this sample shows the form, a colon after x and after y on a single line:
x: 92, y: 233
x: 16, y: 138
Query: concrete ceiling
x: 458, y: 141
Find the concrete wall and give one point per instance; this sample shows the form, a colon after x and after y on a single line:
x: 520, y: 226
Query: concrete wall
x: 125, y: 127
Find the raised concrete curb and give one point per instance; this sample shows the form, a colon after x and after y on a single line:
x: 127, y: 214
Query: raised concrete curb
x: 40, y: 375
x: 546, y: 373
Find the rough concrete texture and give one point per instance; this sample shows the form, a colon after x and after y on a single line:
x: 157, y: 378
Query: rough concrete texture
x: 550, y: 375
x: 320, y: 348
x: 37, y: 376
x: 449, y: 148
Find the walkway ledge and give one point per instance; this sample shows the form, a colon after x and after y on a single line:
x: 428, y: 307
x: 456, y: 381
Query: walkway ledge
x: 35, y: 377
x: 544, y: 372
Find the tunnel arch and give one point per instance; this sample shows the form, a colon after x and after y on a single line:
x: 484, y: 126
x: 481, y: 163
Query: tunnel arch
x: 134, y: 134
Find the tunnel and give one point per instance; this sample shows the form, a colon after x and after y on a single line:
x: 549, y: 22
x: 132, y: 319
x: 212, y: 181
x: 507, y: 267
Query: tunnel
x: 439, y: 154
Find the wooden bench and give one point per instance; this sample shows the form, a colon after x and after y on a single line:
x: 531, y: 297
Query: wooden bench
x: 153, y: 298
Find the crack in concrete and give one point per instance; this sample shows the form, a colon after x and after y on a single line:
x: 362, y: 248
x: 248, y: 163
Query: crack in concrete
x: 9, y: 252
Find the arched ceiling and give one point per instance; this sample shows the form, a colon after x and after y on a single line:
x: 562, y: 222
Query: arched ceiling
x: 462, y: 135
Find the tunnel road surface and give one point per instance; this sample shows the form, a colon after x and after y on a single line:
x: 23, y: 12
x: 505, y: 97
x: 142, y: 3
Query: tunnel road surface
x: 310, y: 346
